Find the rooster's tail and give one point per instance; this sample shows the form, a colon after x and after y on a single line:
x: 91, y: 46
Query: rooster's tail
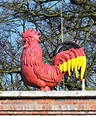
x: 69, y: 56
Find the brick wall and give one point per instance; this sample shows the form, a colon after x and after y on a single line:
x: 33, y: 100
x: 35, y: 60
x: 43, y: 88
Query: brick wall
x: 47, y: 103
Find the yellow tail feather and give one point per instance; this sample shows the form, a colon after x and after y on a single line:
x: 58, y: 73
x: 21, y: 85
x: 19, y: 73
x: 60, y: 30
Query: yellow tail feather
x: 74, y: 65
x: 83, y: 67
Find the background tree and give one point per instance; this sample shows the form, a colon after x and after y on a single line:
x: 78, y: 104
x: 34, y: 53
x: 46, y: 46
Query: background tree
x: 78, y: 23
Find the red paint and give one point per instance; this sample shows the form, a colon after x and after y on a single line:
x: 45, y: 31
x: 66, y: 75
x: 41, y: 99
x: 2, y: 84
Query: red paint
x: 34, y: 71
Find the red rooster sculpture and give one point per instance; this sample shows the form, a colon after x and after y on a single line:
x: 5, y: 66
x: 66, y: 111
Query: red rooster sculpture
x: 44, y: 76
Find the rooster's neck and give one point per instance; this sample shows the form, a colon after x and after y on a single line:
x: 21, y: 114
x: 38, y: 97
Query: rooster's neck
x: 32, y: 54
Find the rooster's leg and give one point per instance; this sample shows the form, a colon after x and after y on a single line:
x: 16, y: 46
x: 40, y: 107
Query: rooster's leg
x: 46, y: 88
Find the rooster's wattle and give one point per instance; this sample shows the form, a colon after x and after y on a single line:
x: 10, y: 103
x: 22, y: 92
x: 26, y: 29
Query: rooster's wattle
x: 44, y: 76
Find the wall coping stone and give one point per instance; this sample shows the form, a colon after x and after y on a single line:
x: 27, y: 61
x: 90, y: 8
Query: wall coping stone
x: 48, y: 94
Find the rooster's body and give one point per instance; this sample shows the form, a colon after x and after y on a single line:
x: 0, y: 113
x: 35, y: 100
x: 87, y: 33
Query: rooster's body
x: 36, y: 73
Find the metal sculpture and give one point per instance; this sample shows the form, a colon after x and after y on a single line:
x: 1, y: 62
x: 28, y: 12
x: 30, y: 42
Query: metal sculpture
x: 44, y: 76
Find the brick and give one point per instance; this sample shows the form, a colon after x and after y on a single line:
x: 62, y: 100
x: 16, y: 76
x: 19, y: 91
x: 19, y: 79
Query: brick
x: 45, y: 106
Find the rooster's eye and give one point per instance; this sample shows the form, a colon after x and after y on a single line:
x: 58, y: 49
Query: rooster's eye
x: 24, y: 42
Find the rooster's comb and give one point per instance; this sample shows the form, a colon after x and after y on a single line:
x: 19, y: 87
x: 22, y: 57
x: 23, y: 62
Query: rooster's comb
x: 31, y: 33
